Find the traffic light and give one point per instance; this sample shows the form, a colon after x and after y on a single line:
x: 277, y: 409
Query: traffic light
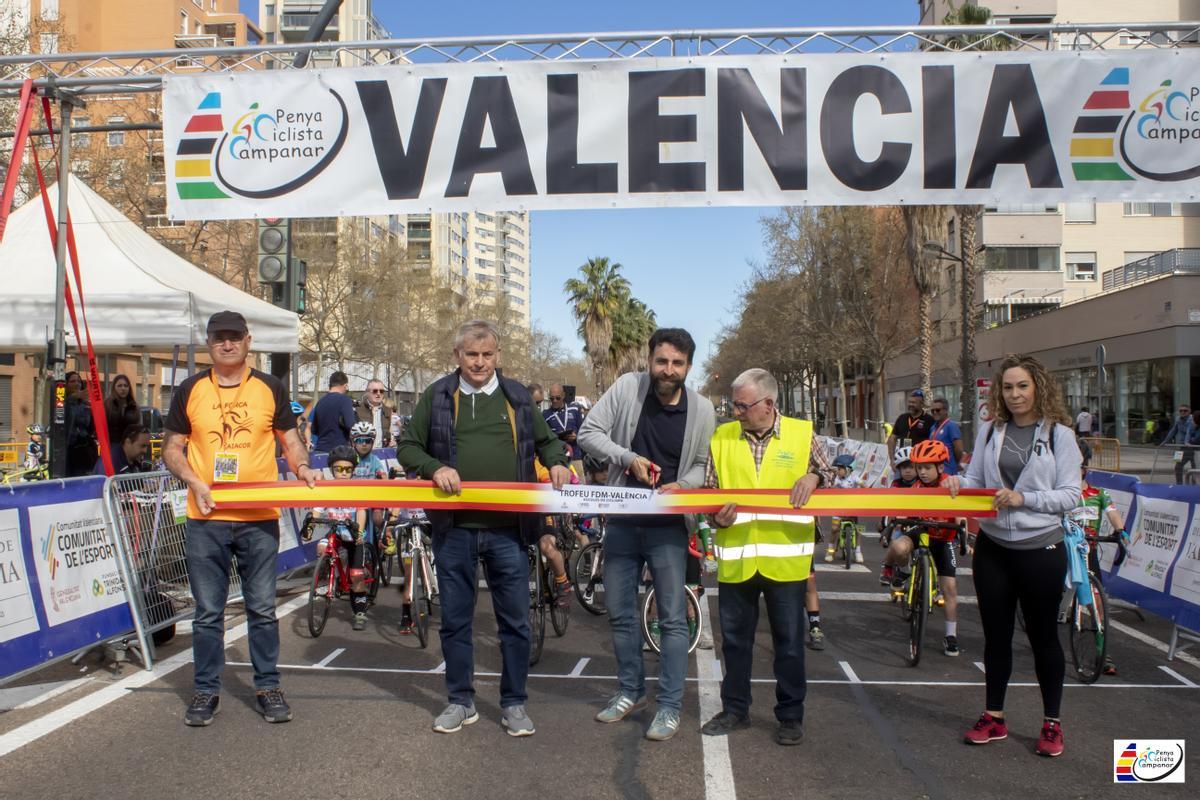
x: 274, y: 249
x: 300, y: 276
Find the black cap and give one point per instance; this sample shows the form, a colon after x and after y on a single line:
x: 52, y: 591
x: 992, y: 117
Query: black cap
x: 227, y: 321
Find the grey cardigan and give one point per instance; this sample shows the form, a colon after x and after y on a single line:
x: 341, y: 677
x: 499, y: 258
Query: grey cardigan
x: 607, y: 432
x: 1050, y: 481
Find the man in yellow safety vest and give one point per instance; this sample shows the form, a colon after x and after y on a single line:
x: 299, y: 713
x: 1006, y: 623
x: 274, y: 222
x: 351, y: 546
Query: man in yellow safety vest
x: 763, y: 554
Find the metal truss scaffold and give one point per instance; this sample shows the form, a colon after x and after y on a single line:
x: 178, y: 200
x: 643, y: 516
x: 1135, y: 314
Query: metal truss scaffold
x: 142, y: 71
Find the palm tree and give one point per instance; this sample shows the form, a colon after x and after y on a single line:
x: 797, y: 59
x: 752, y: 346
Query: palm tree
x: 633, y: 325
x: 924, y: 224
x: 596, y: 298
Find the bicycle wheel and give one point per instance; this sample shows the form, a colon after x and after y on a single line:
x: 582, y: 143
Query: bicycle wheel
x: 907, y: 597
x: 560, y: 615
x: 1089, y: 640
x: 847, y: 539
x: 920, y: 609
x: 588, y: 579
x: 420, y: 609
x: 386, y: 564
x: 694, y: 611
x: 537, y: 608
x: 371, y: 567
x: 319, y: 597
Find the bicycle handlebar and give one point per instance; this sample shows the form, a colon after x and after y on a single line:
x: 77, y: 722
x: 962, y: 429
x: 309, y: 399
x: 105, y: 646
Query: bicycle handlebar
x: 311, y: 522
x: 912, y: 522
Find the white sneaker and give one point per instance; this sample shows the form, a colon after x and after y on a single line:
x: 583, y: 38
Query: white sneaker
x: 706, y: 642
x: 858, y: 559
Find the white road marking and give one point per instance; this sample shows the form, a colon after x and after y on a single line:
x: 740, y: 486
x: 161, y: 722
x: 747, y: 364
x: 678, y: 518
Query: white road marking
x: 21, y: 697
x: 981, y: 667
x: 1176, y: 675
x: 578, y: 671
x: 1150, y: 640
x: 716, y: 679
x: 440, y: 668
x: 718, y: 769
x: 881, y: 597
x: 43, y: 726
x: 838, y: 567
x: 324, y: 662
x: 846, y: 668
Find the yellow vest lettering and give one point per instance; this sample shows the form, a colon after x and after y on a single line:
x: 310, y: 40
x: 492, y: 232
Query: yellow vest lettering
x: 778, y: 546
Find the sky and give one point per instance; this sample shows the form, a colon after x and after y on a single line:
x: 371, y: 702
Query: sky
x: 685, y: 263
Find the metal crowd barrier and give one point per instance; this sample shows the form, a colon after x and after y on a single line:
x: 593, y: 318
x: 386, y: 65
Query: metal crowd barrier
x: 1106, y: 453
x: 147, y: 513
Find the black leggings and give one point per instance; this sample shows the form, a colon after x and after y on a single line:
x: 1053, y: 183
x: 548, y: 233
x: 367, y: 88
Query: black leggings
x: 1034, y: 578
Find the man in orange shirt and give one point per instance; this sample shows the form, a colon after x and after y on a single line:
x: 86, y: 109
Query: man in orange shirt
x: 222, y: 427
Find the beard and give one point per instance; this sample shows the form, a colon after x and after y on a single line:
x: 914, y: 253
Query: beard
x: 666, y: 387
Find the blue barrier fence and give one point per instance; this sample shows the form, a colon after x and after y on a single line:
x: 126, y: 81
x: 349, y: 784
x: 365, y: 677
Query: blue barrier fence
x: 1162, y: 571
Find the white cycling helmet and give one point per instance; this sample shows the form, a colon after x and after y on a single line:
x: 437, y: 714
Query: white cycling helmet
x: 362, y: 429
x: 901, y: 456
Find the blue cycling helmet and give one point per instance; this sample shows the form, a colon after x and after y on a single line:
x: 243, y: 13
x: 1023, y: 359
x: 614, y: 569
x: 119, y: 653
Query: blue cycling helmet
x: 844, y: 460
x: 297, y: 409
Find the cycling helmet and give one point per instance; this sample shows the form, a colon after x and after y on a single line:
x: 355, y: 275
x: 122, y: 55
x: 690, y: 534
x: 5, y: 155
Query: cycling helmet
x: 37, y: 429
x: 362, y: 429
x: 343, y: 452
x: 297, y: 409
x: 930, y: 451
x: 903, y: 455
x: 844, y: 460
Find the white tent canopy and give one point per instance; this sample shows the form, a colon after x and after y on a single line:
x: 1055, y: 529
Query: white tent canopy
x: 139, y: 294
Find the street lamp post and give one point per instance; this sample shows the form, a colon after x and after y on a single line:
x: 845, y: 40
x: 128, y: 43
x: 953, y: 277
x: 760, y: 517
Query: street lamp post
x: 966, y: 359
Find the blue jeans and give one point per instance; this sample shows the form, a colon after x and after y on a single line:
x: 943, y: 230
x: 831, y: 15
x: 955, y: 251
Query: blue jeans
x: 210, y: 546
x: 627, y: 548
x: 458, y: 552
x: 738, y: 607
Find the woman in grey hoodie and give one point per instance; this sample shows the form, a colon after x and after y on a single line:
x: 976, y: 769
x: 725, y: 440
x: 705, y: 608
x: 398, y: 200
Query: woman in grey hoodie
x: 1028, y: 454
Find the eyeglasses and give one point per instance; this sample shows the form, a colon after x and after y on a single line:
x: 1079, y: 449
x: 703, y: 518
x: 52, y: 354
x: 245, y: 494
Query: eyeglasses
x: 744, y: 407
x: 364, y: 440
x: 375, y: 391
x: 938, y: 410
x: 557, y: 397
x: 226, y: 336
x: 342, y: 470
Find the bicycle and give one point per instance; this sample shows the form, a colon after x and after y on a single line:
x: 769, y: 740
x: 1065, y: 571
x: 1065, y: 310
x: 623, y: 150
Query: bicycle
x: 692, y: 600
x: 331, y: 578
x: 588, y: 575
x: 919, y: 592
x: 847, y: 540
x: 39, y: 473
x: 1089, y: 620
x: 421, y: 589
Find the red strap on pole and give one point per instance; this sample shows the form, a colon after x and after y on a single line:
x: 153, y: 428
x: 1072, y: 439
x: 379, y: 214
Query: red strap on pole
x: 95, y: 398
x: 24, y: 120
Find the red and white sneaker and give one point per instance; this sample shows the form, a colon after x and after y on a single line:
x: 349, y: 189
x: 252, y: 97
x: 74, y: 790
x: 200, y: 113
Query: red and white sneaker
x: 1050, y: 743
x: 987, y: 729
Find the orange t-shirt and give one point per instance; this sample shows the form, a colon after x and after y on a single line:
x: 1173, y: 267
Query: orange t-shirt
x: 231, y: 433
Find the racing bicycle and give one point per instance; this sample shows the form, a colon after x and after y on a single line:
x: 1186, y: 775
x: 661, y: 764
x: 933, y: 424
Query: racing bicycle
x: 331, y: 578
x: 919, y: 593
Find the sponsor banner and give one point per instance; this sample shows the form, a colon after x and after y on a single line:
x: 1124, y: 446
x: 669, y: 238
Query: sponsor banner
x: 58, y: 575
x: 871, y: 465
x: 1161, y: 572
x: 921, y: 128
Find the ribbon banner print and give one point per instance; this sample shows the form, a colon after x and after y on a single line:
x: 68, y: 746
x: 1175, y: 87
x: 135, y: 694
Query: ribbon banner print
x: 544, y: 499
x: 823, y: 129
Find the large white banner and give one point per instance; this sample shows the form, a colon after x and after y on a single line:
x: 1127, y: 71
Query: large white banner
x: 819, y: 129
x: 76, y: 561
x: 17, y: 615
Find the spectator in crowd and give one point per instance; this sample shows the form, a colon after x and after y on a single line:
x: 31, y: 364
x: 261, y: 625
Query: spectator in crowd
x: 564, y: 422
x: 120, y: 409
x: 1083, y: 422
x: 1179, y: 436
x: 475, y: 424
x: 912, y: 426
x: 81, y: 428
x: 131, y: 454
x: 947, y: 431
x: 375, y: 410
x: 538, y: 395
x: 1028, y: 455
x: 332, y: 418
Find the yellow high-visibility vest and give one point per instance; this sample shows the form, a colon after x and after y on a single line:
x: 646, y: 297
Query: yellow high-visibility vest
x: 776, y: 545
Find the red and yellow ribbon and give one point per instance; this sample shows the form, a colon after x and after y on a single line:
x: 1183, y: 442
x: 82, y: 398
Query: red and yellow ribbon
x: 543, y: 499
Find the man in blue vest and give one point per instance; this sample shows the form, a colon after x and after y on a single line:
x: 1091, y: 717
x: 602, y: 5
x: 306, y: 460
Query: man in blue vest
x: 763, y: 554
x: 476, y: 425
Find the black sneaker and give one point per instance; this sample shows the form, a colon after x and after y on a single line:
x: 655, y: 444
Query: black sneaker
x: 272, y: 705
x: 790, y: 732
x: 951, y: 646
x: 202, y: 709
x: 724, y: 723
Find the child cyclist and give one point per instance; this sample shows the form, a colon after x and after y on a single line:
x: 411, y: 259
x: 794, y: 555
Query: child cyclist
x: 1095, y: 508
x: 905, y: 477
x: 354, y: 547
x: 35, y: 451
x: 929, y: 457
x: 547, y: 544
x: 844, y: 479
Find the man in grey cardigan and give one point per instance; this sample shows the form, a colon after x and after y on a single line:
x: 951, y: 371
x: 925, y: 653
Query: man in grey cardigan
x: 655, y: 430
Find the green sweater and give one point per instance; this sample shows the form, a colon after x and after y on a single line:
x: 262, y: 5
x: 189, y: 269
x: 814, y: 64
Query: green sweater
x: 483, y: 440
